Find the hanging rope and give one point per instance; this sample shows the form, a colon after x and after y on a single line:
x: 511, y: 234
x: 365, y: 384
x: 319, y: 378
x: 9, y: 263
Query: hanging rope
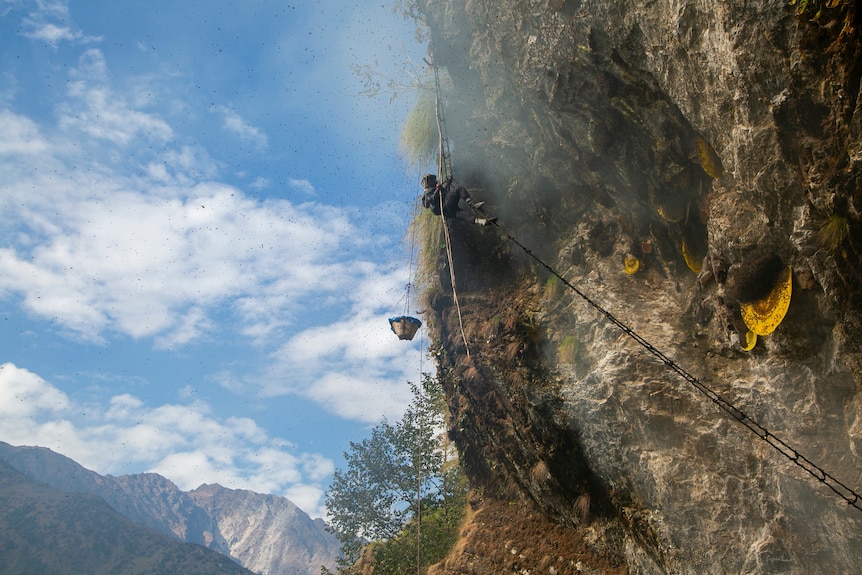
x: 452, y: 276
x: 419, y: 482
x: 406, y: 326
x: 444, y: 160
x: 849, y: 495
x: 444, y: 165
x: 410, y: 270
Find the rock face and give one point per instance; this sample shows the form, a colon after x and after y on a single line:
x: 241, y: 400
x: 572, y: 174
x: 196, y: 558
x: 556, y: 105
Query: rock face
x: 670, y: 160
x: 268, y: 534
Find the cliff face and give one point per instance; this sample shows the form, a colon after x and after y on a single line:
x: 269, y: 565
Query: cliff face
x: 716, y: 147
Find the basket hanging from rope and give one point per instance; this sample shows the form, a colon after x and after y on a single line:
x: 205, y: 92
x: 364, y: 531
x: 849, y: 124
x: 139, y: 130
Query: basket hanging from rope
x: 404, y: 326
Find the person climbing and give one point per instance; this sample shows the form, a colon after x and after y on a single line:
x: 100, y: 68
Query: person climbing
x: 452, y: 196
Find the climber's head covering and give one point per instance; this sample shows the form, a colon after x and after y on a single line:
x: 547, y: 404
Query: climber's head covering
x: 429, y: 181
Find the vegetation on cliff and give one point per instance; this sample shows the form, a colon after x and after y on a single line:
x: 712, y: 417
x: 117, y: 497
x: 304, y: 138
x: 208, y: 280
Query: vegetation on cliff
x: 402, y: 493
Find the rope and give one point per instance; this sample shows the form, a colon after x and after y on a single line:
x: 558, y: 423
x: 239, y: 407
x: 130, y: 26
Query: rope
x: 419, y: 488
x: 445, y: 175
x: 445, y: 157
x: 410, y: 272
x: 850, y: 496
x: 452, y: 276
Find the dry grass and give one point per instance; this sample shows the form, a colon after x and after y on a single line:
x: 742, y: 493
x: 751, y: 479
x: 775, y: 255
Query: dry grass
x: 497, y: 527
x: 463, y: 362
x: 540, y: 473
x: 833, y: 231
x: 509, y: 491
x: 513, y: 351
x: 511, y: 320
x: 420, y: 140
x: 428, y: 230
x: 568, y: 350
x: 582, y: 508
x: 552, y: 288
x: 516, y: 379
x: 472, y: 374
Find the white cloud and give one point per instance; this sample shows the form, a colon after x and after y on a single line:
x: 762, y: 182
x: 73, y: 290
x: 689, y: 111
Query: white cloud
x: 189, y: 326
x: 58, y: 9
x: 185, y: 443
x: 98, y: 113
x: 355, y: 368
x: 50, y: 33
x: 50, y: 23
x: 19, y: 135
x: 356, y: 339
x: 360, y: 396
x: 187, y: 165
x: 307, y: 497
x: 149, y: 259
x: 234, y: 123
x: 24, y: 394
x: 260, y: 183
x: 96, y: 110
x: 303, y: 186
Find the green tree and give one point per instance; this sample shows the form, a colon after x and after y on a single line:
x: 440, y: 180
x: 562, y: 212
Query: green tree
x: 393, y: 478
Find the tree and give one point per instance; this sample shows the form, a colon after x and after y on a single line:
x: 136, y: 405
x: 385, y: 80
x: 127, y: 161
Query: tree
x: 392, y: 478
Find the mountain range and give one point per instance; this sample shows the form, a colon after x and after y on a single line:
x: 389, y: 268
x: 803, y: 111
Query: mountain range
x: 45, y: 493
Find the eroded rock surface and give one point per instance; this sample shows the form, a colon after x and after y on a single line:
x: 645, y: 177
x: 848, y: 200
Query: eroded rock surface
x: 694, y: 141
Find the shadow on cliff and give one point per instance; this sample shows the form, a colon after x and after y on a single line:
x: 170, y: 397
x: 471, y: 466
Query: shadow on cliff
x: 503, y: 405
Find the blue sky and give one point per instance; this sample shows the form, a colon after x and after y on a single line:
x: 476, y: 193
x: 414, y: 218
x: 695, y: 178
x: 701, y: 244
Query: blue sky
x: 202, y: 233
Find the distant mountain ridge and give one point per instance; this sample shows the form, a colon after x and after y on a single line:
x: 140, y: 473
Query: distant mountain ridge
x: 267, y: 534
x: 147, y: 498
x: 247, y: 521
x: 46, y: 530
